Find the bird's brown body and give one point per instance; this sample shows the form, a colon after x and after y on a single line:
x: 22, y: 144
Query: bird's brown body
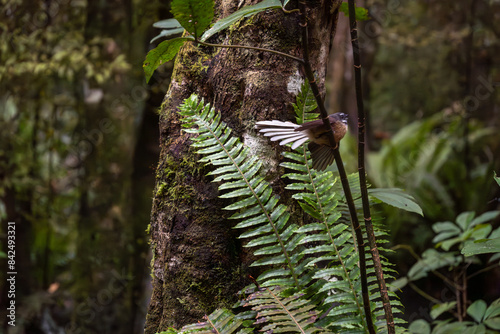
x: 315, y: 131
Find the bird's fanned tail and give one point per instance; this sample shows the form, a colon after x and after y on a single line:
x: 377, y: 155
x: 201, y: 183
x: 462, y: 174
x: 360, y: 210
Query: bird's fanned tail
x: 283, y: 132
x: 316, y: 131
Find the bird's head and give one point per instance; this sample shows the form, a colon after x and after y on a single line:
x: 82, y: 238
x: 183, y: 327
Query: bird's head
x: 339, y: 117
x: 343, y: 117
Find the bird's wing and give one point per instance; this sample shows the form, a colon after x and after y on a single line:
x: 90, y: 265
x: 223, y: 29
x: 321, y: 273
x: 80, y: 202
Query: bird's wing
x: 322, y: 156
x: 312, y: 124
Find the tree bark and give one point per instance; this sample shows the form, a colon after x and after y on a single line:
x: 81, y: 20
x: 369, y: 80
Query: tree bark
x: 199, y: 264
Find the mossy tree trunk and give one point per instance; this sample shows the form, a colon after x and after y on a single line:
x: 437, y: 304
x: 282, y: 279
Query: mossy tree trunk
x: 199, y: 264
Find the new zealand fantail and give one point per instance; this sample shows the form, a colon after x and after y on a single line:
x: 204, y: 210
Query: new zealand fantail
x: 315, y: 131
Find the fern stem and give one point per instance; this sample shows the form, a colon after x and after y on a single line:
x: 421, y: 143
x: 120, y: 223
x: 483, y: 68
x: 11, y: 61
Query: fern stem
x: 362, y: 174
x: 338, y: 161
x: 423, y: 293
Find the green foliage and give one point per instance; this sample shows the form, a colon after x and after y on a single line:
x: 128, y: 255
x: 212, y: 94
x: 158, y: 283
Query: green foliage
x: 463, y: 234
x: 170, y: 27
x: 292, y: 314
x: 295, y: 255
x: 238, y: 15
x: 44, y: 70
x: 397, y: 198
x: 361, y: 13
x: 426, y: 158
x: 413, y: 49
x: 306, y: 104
x: 163, y: 53
x: 483, y: 246
x: 194, y: 15
x: 486, y: 319
x: 66, y: 95
x: 466, y: 229
x: 220, y: 321
x: 331, y: 239
x: 456, y: 244
x: 271, y: 312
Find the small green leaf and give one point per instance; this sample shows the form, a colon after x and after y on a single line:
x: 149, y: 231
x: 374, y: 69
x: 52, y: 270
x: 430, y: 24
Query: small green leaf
x: 167, y: 33
x: 491, y: 316
x: 446, y: 245
x: 167, y: 24
x: 477, y: 310
x: 399, y: 284
x: 496, y: 178
x: 431, y: 260
x: 493, y: 310
x: 464, y: 219
x: 445, y: 230
x: 420, y: 326
x: 194, y: 15
x: 476, y: 329
x: 239, y: 14
x: 163, y: 53
x: 493, y: 323
x: 397, y: 198
x: 361, y: 13
x: 439, y: 309
x: 485, y: 217
x: 480, y: 232
x: 445, y: 227
x: 482, y: 247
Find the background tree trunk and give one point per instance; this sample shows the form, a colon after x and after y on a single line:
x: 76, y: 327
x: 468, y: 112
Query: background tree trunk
x: 199, y: 264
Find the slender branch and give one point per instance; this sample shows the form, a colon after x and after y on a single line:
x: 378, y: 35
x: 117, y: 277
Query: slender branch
x: 362, y: 174
x: 463, y: 289
x: 423, y: 293
x: 457, y: 296
x: 286, y: 55
x: 338, y: 160
x: 493, y: 266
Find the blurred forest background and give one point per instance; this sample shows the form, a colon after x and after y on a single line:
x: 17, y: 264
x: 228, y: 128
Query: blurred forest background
x: 79, y: 144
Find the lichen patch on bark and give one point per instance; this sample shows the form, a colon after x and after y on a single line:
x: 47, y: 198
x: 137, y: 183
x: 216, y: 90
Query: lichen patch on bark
x: 295, y: 82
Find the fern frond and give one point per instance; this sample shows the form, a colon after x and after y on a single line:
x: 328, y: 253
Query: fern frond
x: 328, y: 240
x: 221, y: 321
x: 291, y: 314
x: 306, y: 104
x: 265, y: 221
